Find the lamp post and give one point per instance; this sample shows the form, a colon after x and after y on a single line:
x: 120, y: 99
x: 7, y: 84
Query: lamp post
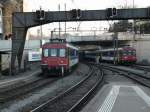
x: 133, y: 26
x: 59, y: 21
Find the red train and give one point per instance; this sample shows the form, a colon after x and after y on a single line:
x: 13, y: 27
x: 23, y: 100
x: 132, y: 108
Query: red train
x: 58, y: 56
x: 123, y: 55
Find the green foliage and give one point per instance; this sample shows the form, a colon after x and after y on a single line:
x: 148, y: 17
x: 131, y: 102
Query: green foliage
x: 121, y: 26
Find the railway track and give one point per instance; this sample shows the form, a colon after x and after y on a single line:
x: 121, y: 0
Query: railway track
x: 142, y: 74
x: 140, y: 67
x: 140, y: 78
x: 23, y: 88
x: 74, y: 97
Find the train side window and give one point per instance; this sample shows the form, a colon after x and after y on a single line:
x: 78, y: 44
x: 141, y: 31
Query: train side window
x: 108, y: 54
x: 45, y: 52
x: 62, y: 52
x: 53, y: 52
x: 77, y: 53
x: 71, y: 52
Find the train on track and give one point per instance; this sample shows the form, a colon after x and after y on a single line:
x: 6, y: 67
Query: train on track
x: 58, y: 57
x: 123, y: 55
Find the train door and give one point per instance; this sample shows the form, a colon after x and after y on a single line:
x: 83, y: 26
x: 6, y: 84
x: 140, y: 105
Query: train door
x: 68, y: 57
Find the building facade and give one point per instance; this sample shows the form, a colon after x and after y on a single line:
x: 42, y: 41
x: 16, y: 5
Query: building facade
x: 9, y: 6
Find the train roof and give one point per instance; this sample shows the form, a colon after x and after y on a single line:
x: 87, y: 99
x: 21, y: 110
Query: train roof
x: 111, y: 49
x: 71, y: 46
x: 49, y: 44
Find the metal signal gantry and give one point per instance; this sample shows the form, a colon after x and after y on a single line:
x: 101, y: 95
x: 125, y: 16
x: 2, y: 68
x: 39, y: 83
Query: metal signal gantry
x: 24, y: 20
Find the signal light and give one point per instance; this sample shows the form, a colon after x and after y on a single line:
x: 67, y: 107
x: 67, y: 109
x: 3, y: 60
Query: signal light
x: 74, y: 13
x: 111, y: 12
x: 78, y: 13
x: 42, y: 14
x: 114, y: 11
x: 38, y: 15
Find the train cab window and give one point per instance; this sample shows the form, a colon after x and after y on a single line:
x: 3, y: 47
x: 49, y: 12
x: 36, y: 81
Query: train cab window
x: 62, y: 52
x: 53, y: 52
x: 45, y: 52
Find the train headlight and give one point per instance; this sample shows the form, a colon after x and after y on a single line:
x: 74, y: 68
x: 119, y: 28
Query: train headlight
x: 45, y: 61
x: 125, y: 57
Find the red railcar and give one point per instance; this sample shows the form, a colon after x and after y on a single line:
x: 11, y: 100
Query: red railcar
x: 127, y: 55
x: 123, y: 55
x: 58, y: 57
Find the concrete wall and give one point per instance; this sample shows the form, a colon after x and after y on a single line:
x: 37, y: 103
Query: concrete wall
x: 5, y: 45
x: 142, y: 50
x: 5, y: 61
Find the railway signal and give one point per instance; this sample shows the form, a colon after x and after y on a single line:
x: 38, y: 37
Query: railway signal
x: 76, y: 13
x: 114, y: 12
x: 40, y: 15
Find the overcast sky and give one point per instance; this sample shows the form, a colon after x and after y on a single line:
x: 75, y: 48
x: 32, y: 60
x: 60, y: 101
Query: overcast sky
x: 52, y: 5
x: 82, y: 4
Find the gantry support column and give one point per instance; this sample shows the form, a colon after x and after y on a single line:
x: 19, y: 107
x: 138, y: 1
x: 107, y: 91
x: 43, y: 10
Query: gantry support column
x: 18, y: 42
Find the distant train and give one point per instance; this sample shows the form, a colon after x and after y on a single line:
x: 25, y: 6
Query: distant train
x: 124, y: 55
x: 58, y: 57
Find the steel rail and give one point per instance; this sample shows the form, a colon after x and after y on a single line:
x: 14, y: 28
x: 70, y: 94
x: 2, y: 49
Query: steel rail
x: 138, y: 78
x: 139, y: 74
x: 142, y: 68
x: 42, y: 106
x: 24, y: 89
x: 76, y: 106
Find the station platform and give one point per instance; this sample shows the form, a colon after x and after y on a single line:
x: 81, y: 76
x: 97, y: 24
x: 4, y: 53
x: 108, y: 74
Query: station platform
x: 120, y: 98
x: 24, y: 76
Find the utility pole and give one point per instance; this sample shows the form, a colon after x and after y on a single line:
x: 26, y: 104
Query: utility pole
x: 52, y: 34
x: 65, y: 21
x: 115, y: 44
x: 133, y: 26
x: 41, y: 29
x: 59, y: 21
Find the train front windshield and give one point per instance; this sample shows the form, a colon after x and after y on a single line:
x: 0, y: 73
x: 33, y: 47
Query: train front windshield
x: 53, y: 52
